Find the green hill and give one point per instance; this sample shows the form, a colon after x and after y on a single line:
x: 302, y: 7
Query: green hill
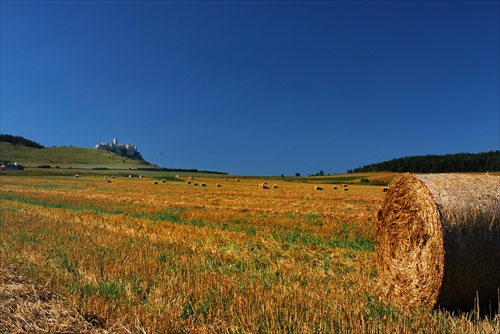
x: 29, y: 154
x: 65, y: 157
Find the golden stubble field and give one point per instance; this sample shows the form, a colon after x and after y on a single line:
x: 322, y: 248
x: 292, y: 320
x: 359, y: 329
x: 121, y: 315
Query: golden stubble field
x: 139, y: 257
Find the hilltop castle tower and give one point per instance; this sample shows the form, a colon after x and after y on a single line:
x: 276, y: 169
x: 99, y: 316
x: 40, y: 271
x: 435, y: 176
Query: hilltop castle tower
x: 125, y: 150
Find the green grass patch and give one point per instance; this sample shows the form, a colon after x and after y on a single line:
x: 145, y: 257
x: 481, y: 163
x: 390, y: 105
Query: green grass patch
x: 336, y: 179
x: 56, y: 186
x: 170, y: 214
x: 110, y: 289
x: 62, y: 260
x: 24, y: 237
x: 342, y: 240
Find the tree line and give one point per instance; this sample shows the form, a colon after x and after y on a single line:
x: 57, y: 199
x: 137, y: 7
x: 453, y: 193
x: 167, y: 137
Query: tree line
x: 192, y: 170
x: 448, y: 163
x: 18, y: 140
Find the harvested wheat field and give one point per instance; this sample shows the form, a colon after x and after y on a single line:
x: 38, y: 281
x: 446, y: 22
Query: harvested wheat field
x: 132, y: 256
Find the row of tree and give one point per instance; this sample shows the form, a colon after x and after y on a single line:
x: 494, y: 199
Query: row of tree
x: 18, y: 140
x: 191, y: 170
x: 460, y: 162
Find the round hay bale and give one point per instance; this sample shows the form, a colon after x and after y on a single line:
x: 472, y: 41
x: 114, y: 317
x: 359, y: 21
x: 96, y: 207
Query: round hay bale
x: 438, y: 241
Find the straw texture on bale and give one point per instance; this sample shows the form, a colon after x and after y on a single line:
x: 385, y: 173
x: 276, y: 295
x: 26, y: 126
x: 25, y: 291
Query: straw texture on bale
x: 438, y: 241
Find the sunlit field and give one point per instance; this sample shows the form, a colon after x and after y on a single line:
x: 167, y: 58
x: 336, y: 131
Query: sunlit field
x: 174, y: 257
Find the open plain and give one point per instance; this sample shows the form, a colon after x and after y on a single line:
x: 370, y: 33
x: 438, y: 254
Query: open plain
x: 159, y: 255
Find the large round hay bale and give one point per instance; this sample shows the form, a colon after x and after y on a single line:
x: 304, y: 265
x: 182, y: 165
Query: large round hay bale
x: 438, y: 241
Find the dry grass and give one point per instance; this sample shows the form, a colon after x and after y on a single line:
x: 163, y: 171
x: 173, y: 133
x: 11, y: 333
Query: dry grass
x: 173, y: 258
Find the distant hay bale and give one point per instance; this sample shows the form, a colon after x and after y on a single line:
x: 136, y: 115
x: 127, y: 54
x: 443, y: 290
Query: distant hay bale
x: 384, y: 189
x: 318, y: 188
x: 196, y: 183
x: 275, y: 186
x: 77, y: 176
x: 263, y: 186
x: 188, y: 182
x: 334, y: 187
x: 130, y: 175
x: 438, y: 241
x: 237, y: 180
x: 163, y: 180
x: 346, y: 188
x: 155, y: 182
x: 218, y: 185
x: 203, y: 184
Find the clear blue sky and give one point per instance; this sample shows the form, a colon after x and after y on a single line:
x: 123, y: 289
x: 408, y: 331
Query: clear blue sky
x: 254, y: 87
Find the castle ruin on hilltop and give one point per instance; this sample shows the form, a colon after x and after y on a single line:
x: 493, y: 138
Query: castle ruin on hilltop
x: 124, y: 150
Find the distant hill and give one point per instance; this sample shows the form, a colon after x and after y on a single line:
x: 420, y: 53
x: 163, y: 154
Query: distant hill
x: 15, y: 149
x: 449, y: 163
x: 27, y: 153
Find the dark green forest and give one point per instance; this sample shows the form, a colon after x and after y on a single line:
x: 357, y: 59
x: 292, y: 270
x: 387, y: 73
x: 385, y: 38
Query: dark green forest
x: 18, y: 140
x: 459, y: 162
